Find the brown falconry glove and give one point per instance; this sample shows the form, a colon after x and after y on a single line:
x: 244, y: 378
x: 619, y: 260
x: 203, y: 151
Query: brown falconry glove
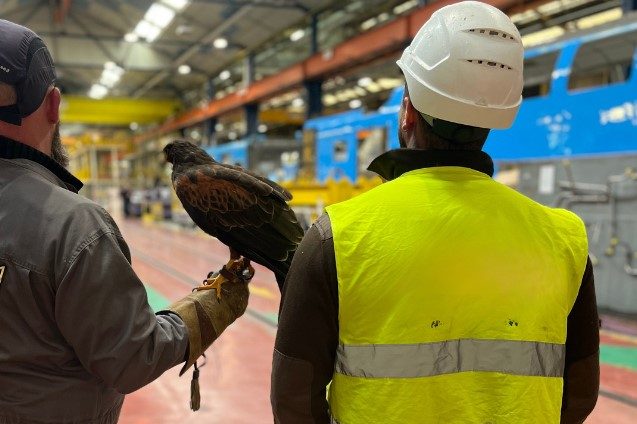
x: 210, y: 308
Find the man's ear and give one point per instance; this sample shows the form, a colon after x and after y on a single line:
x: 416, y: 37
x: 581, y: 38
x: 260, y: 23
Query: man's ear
x: 409, y: 115
x: 53, y: 100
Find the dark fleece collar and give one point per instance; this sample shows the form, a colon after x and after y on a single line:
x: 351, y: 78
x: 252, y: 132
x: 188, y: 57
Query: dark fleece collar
x: 394, y: 163
x: 11, y: 149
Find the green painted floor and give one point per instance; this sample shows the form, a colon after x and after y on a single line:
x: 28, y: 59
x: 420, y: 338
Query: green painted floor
x: 619, y: 356
x: 156, y: 300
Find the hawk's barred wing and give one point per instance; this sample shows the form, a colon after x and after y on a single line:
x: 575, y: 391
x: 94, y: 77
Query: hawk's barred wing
x: 244, y: 211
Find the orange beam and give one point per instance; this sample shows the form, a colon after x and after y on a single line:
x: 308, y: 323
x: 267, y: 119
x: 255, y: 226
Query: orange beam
x: 363, y: 48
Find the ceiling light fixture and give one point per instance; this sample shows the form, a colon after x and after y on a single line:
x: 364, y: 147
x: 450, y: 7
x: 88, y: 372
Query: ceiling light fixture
x: 220, y: 43
x: 365, y: 82
x: 148, y: 31
x: 297, y: 35
x: 176, y: 4
x: 159, y: 15
x: 184, y: 69
x: 224, y: 75
x: 97, y: 91
x: 131, y: 37
x: 298, y: 102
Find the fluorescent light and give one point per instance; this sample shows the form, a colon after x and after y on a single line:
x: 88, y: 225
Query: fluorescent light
x: 131, y: 37
x: 109, y: 79
x: 542, y: 36
x: 220, y: 43
x: 176, y: 4
x: 365, y: 81
x: 329, y: 99
x: 224, y: 75
x: 370, y: 23
x: 262, y: 128
x: 146, y: 30
x: 402, y: 8
x: 297, y: 35
x: 159, y: 15
x: 355, y: 104
x: 184, y: 69
x: 97, y: 91
x: 599, y: 18
x: 550, y: 7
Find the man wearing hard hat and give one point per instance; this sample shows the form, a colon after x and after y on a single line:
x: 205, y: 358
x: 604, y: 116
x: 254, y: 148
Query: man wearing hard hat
x: 442, y: 296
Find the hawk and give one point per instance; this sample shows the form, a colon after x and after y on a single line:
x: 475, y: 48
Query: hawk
x: 245, y: 211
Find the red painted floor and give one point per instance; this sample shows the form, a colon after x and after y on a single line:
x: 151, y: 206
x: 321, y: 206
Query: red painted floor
x: 236, y: 379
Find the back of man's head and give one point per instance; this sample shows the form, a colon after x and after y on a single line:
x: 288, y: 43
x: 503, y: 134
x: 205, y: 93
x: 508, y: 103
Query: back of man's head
x: 463, y: 73
x: 29, y: 102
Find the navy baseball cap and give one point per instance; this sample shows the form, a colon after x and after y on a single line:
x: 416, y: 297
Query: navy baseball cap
x: 27, y: 66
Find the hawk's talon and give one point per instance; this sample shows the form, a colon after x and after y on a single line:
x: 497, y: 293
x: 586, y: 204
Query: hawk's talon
x: 236, y: 270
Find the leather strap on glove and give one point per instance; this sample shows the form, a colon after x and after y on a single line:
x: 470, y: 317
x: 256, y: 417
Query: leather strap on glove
x: 206, y: 313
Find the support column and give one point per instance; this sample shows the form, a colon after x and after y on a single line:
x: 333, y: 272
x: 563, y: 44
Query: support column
x: 314, y: 46
x: 252, y: 119
x: 314, y: 90
x: 629, y: 5
x: 252, y: 109
x: 210, y: 126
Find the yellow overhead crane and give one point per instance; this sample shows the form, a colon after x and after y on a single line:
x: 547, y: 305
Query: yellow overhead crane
x: 116, y: 111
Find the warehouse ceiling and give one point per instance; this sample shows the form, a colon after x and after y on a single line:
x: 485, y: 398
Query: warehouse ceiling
x: 135, y: 48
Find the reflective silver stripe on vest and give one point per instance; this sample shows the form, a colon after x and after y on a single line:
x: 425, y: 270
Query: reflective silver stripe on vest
x: 451, y: 356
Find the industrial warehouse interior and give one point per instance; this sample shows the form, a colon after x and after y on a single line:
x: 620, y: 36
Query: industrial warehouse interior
x: 306, y: 94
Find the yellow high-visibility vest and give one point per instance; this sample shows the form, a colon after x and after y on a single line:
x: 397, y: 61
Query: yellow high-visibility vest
x: 454, y: 292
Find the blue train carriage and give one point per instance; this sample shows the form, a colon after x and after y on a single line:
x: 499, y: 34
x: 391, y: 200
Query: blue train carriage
x: 277, y: 159
x: 580, y: 99
x: 346, y: 143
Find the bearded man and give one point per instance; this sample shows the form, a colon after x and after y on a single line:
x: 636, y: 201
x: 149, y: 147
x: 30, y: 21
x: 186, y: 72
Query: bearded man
x: 76, y: 329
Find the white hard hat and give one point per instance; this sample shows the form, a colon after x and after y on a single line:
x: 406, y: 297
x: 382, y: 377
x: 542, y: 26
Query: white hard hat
x: 465, y: 66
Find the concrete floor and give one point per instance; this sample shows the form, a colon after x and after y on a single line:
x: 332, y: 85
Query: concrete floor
x: 236, y: 378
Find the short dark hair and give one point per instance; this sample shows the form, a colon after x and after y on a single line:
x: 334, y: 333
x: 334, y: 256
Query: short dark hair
x: 438, y: 142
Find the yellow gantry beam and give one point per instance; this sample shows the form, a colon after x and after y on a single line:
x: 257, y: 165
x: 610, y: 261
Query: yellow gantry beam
x: 115, y: 111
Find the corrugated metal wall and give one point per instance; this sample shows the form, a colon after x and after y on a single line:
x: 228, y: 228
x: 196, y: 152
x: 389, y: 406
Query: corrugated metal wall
x: 613, y: 248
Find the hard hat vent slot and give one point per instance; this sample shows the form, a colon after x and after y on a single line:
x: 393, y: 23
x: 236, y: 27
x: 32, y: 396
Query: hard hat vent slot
x: 492, y: 33
x: 489, y: 63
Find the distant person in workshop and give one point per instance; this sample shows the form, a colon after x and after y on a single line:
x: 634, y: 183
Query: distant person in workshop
x: 76, y: 329
x: 442, y: 296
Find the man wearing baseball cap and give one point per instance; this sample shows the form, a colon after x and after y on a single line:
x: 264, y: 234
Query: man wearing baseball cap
x: 76, y: 330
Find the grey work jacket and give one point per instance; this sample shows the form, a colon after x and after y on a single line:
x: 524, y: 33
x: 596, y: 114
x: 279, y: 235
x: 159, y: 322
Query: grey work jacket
x: 76, y: 330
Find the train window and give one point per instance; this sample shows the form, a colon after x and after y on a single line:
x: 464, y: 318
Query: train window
x: 537, y: 75
x: 603, y: 62
x: 341, y: 153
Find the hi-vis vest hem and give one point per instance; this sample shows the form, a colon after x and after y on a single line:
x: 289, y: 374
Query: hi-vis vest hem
x: 454, y: 293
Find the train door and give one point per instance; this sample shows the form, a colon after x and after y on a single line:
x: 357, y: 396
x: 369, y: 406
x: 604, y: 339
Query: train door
x: 336, y: 157
x: 371, y: 142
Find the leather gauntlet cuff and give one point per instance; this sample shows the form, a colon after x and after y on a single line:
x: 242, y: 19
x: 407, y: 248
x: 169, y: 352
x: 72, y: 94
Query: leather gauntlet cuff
x: 206, y: 316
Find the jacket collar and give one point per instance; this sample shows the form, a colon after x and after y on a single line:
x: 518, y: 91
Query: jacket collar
x: 11, y: 149
x: 394, y: 163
